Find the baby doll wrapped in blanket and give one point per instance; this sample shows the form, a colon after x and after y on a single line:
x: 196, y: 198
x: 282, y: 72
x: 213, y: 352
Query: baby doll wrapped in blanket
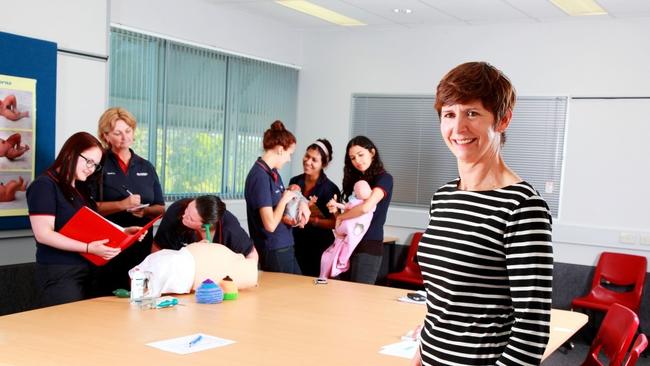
x: 336, y: 259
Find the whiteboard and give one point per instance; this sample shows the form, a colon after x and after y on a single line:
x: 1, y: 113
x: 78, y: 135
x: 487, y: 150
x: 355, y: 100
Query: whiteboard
x: 607, y: 166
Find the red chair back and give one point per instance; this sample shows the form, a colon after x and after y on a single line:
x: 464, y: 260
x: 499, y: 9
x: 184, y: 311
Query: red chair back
x: 639, y: 346
x: 619, y: 270
x: 411, y: 273
x: 614, y: 336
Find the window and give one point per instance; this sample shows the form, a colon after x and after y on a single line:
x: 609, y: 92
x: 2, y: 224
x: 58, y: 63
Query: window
x: 201, y: 113
x: 406, y: 131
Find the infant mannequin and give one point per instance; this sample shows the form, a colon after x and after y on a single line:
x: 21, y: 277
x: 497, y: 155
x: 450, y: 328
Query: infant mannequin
x: 336, y: 259
x: 181, y: 271
x: 297, y: 210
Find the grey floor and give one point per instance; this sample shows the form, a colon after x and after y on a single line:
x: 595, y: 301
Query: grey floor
x: 574, y: 357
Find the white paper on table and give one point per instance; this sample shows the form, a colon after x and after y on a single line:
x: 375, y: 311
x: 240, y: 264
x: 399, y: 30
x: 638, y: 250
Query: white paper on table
x: 181, y: 345
x: 404, y: 349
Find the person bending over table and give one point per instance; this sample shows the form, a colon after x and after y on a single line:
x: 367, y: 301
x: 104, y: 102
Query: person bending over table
x: 486, y: 255
x: 185, y: 222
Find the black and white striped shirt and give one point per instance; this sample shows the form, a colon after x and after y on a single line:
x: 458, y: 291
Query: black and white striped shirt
x: 487, y: 262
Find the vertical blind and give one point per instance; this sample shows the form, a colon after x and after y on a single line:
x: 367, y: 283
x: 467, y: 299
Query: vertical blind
x: 406, y: 130
x: 201, y: 113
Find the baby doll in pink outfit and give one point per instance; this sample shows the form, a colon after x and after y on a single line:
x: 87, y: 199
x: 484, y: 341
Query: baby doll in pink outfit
x: 336, y: 259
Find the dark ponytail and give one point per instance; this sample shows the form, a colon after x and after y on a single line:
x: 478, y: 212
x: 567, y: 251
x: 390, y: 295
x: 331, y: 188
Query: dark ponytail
x: 211, y: 208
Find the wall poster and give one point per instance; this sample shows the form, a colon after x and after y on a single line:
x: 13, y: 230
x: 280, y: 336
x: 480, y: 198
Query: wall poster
x: 17, y: 138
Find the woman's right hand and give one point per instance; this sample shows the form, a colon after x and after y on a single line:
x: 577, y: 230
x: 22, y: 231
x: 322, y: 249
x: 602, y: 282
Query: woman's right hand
x: 287, y: 196
x: 98, y: 248
x: 131, y: 201
x: 331, y: 205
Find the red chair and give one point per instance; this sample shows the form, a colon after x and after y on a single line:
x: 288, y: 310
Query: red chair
x: 614, y: 336
x: 411, y: 273
x: 639, y: 346
x: 618, y: 270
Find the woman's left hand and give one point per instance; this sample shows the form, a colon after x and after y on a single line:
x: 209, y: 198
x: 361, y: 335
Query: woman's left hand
x: 138, y: 213
x: 133, y: 230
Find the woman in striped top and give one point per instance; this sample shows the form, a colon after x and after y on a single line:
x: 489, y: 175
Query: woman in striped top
x: 486, y: 256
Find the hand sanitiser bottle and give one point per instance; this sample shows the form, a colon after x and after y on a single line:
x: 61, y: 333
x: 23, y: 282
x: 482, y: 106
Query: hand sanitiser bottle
x: 139, y: 286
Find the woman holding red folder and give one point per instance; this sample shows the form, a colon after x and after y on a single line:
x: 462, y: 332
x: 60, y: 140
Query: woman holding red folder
x: 62, y: 274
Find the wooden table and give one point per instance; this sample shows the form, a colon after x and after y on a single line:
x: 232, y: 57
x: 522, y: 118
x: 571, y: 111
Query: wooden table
x: 287, y: 320
x: 564, y: 324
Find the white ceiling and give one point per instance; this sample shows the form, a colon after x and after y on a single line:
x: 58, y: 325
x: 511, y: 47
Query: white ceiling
x: 380, y: 14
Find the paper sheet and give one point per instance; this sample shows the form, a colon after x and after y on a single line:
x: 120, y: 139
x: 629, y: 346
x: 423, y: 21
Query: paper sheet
x: 404, y: 349
x: 181, y: 345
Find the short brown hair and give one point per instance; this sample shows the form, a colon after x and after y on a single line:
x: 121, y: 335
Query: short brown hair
x: 477, y: 81
x: 276, y: 135
x: 109, y: 118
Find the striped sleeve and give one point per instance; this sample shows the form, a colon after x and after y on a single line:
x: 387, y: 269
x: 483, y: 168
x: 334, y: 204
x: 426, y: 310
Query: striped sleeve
x: 529, y: 265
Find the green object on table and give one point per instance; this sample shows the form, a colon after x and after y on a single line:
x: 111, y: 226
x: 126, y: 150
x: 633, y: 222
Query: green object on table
x: 120, y: 292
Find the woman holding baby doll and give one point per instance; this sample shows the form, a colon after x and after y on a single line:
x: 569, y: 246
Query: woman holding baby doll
x: 362, y: 162
x: 312, y: 240
x: 266, y: 200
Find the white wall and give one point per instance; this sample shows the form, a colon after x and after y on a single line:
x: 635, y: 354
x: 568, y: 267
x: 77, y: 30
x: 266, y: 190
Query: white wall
x: 605, y: 169
x: 220, y: 27
x: 77, y: 25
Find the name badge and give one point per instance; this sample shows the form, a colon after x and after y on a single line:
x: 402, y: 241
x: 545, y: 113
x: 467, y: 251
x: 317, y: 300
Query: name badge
x: 277, y: 191
x: 141, y: 174
x: 110, y: 173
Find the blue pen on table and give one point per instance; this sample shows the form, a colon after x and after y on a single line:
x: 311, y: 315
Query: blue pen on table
x: 196, y: 340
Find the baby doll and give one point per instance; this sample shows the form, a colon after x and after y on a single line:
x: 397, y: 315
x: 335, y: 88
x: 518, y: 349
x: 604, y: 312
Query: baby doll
x: 336, y: 259
x: 8, y: 109
x: 8, y: 191
x: 11, y: 147
x: 181, y: 271
x: 297, y: 210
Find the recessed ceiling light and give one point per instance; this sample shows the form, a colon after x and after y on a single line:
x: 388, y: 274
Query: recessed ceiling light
x: 579, y: 7
x: 402, y: 11
x: 320, y: 12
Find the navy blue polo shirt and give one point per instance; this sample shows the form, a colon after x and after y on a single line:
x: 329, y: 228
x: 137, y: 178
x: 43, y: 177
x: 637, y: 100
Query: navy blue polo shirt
x: 264, y: 188
x: 383, y: 181
x: 324, y: 189
x: 140, y: 178
x: 172, y: 234
x: 44, y: 197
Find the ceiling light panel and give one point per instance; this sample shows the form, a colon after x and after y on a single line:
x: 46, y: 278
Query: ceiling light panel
x: 320, y: 12
x: 579, y: 7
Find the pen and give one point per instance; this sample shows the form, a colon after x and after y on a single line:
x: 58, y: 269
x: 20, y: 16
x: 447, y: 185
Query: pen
x: 196, y: 340
x: 127, y: 190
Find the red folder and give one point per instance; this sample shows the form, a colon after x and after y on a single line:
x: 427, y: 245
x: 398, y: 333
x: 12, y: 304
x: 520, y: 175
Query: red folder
x: 87, y: 225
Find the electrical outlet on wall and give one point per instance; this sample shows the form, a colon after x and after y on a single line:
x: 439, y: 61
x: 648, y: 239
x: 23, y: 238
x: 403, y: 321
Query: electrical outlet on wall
x: 627, y: 238
x: 645, y: 239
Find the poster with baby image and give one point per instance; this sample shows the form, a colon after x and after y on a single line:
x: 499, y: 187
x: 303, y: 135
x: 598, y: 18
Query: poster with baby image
x: 17, y: 142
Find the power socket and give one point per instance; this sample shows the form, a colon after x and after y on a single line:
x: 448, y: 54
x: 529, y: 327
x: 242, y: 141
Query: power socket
x: 627, y: 238
x: 645, y: 239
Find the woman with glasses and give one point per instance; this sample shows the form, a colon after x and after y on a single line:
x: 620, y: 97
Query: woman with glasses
x: 128, y: 193
x: 62, y: 274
